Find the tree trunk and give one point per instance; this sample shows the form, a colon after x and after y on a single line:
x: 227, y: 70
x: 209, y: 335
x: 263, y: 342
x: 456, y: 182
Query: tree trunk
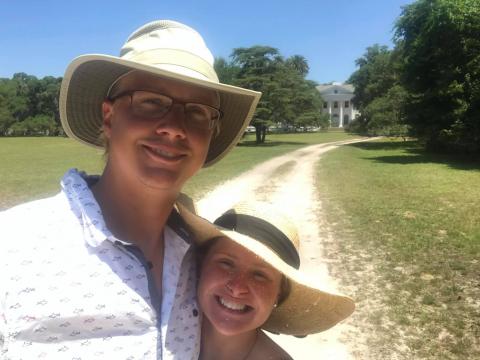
x: 258, y: 134
x: 264, y: 133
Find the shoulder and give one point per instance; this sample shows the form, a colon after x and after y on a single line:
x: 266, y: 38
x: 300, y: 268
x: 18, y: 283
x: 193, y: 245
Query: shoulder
x: 37, y: 207
x: 27, y: 220
x: 269, y: 349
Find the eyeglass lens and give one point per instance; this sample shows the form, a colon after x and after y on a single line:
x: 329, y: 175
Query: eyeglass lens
x: 151, y: 105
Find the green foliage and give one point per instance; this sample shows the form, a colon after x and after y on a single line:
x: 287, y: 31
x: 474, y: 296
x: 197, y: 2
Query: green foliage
x: 29, y: 106
x: 439, y: 41
x: 378, y: 95
x: 226, y: 71
x: 288, y: 99
x: 429, y: 84
x: 34, y: 125
x: 299, y: 64
x: 385, y: 113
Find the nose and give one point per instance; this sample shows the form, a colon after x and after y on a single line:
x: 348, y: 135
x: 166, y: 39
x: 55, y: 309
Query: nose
x: 237, y: 285
x: 173, y: 123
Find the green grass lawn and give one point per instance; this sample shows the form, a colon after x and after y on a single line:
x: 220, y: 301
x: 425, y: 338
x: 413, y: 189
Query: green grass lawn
x: 408, y: 223
x: 31, y: 168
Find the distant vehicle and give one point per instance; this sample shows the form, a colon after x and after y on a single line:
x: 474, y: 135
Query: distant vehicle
x: 250, y: 129
x: 280, y: 128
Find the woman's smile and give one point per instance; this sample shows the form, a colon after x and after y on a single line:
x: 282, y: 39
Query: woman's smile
x: 233, y: 305
x: 237, y: 290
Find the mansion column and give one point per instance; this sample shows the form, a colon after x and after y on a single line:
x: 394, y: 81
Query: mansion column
x: 340, y: 124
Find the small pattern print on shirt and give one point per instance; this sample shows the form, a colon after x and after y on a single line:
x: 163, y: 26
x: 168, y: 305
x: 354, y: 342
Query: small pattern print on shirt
x: 70, y: 290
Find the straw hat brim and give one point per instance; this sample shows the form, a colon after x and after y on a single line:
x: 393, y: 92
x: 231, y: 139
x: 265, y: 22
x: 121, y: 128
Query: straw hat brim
x: 88, y: 78
x: 307, y: 310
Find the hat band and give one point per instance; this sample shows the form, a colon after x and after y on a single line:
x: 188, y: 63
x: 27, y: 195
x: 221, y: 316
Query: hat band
x: 175, y: 57
x: 264, y: 232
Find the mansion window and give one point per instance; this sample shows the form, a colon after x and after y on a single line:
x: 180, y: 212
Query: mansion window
x: 347, y: 104
x: 335, y: 104
x: 325, y: 104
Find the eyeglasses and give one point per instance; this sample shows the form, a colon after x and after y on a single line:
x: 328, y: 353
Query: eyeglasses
x: 153, y: 106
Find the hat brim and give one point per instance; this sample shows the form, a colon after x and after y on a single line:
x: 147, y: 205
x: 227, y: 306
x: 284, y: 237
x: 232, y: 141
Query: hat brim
x: 307, y: 310
x: 88, y: 78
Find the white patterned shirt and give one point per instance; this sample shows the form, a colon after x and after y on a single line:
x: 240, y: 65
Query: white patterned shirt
x: 70, y: 290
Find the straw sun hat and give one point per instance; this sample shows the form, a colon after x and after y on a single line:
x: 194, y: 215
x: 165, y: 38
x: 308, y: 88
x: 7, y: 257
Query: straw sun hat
x: 162, y: 48
x: 308, y: 309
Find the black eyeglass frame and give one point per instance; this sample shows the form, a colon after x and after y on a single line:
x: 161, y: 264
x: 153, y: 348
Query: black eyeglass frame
x: 214, y: 123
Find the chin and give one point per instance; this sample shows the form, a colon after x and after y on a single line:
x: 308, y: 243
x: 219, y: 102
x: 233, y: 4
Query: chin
x: 229, y: 324
x: 162, y: 180
x: 232, y: 330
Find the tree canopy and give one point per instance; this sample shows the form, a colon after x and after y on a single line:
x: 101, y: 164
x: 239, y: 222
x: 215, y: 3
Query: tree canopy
x: 429, y: 83
x: 288, y: 98
x: 379, y: 96
x: 439, y: 41
x: 29, y: 106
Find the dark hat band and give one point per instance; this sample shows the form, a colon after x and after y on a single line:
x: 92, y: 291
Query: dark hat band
x: 264, y: 232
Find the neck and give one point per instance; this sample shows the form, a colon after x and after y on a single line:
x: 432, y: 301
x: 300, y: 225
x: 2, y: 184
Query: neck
x: 133, y: 212
x: 216, y: 346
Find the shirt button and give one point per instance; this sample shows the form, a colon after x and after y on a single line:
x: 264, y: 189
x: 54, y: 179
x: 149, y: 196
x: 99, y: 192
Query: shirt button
x: 195, y: 312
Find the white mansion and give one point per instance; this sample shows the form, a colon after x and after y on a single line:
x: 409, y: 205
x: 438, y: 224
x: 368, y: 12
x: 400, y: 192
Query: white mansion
x: 337, y: 99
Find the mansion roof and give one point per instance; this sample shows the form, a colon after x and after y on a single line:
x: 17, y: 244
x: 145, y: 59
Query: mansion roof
x: 336, y: 88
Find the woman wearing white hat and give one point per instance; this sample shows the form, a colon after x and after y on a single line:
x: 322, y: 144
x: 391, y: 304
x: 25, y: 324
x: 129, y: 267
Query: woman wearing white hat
x: 249, y: 280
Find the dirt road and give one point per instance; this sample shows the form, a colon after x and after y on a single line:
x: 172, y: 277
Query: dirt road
x: 288, y: 182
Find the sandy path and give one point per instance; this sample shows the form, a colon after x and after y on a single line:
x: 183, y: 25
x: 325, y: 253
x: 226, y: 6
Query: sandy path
x: 287, y: 182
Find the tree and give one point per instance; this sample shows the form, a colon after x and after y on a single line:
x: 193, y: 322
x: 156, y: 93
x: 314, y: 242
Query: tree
x: 385, y: 113
x: 378, y: 95
x: 440, y: 45
x: 227, y: 72
x: 287, y: 98
x: 29, y: 106
x: 6, y: 116
x: 298, y: 63
x: 257, y: 65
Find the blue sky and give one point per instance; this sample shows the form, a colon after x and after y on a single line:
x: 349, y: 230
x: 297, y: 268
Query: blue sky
x: 40, y: 37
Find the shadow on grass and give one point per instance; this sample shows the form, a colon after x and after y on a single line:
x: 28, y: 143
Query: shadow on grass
x: 387, y: 145
x: 249, y: 143
x: 415, y: 154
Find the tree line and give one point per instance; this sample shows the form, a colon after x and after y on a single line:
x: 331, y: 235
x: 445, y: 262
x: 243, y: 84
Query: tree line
x: 29, y: 106
x: 428, y: 85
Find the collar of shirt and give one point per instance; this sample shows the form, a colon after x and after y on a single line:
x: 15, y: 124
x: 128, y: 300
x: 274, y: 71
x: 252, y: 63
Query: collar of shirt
x: 82, y: 202
x: 76, y: 186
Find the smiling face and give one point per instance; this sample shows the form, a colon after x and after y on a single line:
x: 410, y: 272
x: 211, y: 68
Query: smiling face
x: 161, y: 153
x: 237, y: 290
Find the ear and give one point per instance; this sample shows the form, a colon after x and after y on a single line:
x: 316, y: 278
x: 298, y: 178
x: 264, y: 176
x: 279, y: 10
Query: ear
x: 107, y: 113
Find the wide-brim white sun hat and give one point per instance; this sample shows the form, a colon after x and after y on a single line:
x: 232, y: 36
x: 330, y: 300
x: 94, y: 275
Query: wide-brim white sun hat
x: 162, y: 48
x: 309, y: 308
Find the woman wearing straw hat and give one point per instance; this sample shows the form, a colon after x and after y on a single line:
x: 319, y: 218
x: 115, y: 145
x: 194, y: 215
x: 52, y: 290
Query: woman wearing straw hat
x: 250, y: 280
x: 105, y: 269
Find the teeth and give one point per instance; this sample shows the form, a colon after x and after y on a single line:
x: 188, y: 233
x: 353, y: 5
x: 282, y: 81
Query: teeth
x: 164, y: 153
x: 232, y: 306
